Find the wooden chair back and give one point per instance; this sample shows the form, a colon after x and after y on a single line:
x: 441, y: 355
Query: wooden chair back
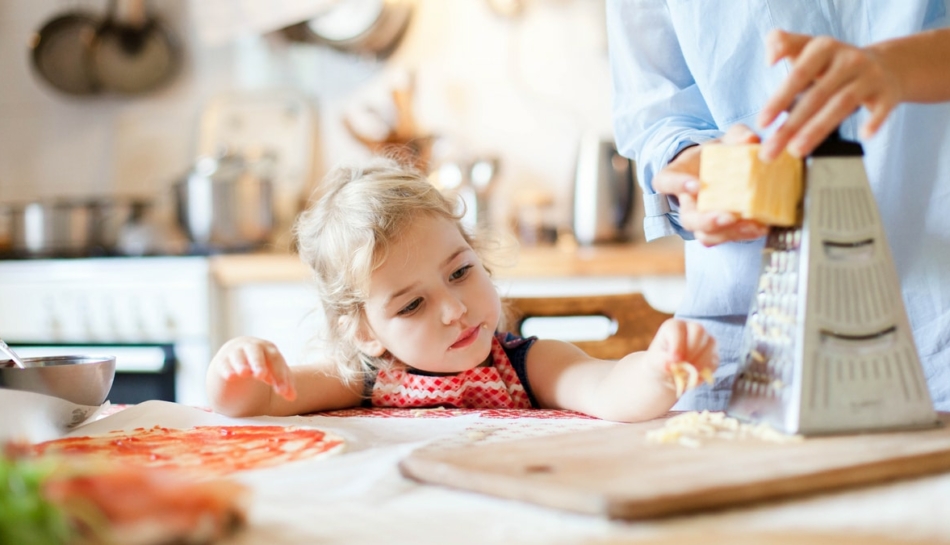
x: 636, y: 321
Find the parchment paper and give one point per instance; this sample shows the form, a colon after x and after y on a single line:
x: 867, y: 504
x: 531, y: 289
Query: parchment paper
x: 33, y: 417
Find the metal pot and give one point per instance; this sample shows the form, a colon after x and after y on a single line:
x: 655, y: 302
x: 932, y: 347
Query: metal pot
x: 357, y: 26
x: 68, y: 227
x: 53, y: 228
x: 227, y: 203
x: 603, y: 193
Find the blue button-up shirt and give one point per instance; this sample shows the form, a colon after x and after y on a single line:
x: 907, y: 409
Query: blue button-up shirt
x: 686, y: 70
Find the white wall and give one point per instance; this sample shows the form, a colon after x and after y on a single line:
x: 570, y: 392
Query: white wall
x: 523, y: 88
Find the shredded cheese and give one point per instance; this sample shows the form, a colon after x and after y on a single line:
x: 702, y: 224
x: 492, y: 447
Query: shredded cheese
x: 419, y: 413
x: 691, y: 428
x: 686, y: 377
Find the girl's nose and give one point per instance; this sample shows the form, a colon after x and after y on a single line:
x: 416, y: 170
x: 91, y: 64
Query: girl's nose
x: 452, y: 309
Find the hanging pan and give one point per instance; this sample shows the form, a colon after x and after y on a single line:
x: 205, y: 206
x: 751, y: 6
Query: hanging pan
x: 60, y: 52
x: 132, y: 53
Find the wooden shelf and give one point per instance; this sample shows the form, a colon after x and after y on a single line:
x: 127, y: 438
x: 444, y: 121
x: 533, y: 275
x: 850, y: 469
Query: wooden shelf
x: 660, y: 258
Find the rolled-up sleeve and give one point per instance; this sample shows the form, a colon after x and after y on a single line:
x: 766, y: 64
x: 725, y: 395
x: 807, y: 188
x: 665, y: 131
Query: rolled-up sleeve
x: 658, y: 109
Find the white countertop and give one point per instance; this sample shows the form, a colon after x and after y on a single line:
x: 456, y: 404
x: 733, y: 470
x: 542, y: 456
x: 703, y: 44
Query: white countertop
x: 359, y: 497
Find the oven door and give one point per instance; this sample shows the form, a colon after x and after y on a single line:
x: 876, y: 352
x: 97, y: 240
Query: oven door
x: 142, y: 371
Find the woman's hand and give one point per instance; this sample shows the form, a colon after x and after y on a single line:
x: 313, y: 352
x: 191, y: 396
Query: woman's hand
x: 681, y: 178
x: 829, y: 80
x: 679, y: 341
x: 248, y: 358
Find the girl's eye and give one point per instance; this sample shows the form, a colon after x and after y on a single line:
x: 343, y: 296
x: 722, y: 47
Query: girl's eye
x: 460, y: 273
x: 411, y: 307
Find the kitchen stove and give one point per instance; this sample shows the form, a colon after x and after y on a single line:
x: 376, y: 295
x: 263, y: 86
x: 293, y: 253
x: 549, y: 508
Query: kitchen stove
x: 154, y: 313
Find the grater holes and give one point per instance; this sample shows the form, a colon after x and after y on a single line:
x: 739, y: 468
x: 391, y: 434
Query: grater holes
x: 852, y: 296
x: 845, y: 211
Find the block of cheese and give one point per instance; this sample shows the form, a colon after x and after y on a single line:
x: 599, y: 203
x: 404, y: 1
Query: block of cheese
x: 733, y: 179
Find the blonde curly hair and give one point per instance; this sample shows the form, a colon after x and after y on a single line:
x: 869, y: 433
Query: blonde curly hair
x: 346, y: 235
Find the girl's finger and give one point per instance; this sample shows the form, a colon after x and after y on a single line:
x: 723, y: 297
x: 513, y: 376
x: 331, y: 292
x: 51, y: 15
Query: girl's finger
x: 707, y: 354
x: 284, y: 383
x: 675, y: 334
x: 278, y: 373
x: 238, y: 367
x: 257, y: 359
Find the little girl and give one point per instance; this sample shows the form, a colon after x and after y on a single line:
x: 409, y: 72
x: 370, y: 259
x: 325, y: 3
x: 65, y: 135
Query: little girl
x: 413, y: 321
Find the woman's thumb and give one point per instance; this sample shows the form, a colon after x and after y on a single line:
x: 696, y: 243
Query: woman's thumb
x: 740, y: 134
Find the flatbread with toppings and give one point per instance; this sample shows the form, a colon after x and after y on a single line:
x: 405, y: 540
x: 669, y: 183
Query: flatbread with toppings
x: 202, y: 450
x: 87, y: 500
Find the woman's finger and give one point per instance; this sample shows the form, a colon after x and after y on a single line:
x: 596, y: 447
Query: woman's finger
x: 826, y: 121
x: 674, y: 182
x: 780, y: 44
x: 813, y: 61
x: 811, y: 102
x: 739, y: 231
x: 740, y: 134
x: 879, y: 113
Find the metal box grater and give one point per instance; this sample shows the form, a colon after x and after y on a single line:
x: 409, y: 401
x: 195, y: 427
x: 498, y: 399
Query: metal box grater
x: 828, y: 346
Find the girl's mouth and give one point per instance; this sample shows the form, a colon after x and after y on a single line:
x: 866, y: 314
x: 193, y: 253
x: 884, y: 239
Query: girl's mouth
x: 467, y: 337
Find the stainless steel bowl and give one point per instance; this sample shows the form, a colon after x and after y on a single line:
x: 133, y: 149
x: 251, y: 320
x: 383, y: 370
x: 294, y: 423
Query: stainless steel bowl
x: 84, y: 380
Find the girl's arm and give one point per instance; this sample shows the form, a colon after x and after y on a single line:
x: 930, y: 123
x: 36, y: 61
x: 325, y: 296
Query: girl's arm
x: 249, y: 377
x: 637, y: 387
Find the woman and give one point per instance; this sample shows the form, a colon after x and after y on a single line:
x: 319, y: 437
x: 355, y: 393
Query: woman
x: 686, y: 71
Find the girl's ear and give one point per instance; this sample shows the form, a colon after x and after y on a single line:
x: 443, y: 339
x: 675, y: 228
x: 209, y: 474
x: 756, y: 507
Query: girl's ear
x: 365, y: 340
x: 370, y: 345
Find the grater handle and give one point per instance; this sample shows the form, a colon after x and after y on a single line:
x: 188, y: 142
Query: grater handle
x: 836, y: 146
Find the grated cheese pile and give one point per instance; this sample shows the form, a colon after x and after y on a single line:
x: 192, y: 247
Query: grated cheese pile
x: 689, y: 429
x: 419, y: 413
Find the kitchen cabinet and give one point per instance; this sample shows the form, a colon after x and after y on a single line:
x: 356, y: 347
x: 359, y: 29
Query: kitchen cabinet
x: 271, y: 295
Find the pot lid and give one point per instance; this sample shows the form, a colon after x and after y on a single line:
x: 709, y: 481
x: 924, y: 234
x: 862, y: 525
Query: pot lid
x: 347, y: 20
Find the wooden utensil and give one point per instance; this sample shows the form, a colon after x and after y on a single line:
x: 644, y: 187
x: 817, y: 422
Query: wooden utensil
x: 616, y: 473
x: 403, y: 138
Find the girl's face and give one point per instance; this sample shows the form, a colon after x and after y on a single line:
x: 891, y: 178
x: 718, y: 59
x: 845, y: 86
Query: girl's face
x: 432, y: 304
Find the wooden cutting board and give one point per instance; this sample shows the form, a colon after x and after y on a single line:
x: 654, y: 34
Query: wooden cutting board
x: 615, y: 472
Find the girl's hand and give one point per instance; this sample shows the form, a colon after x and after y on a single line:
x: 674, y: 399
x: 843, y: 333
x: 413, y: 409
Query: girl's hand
x: 244, y: 358
x: 681, y: 178
x: 679, y: 341
x: 829, y: 80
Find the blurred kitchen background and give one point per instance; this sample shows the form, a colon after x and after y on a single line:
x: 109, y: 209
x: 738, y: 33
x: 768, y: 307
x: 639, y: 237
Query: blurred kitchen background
x: 153, y: 155
x: 518, y: 83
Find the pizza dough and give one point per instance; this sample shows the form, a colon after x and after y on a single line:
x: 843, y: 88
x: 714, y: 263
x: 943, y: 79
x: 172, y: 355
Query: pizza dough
x: 203, y: 450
